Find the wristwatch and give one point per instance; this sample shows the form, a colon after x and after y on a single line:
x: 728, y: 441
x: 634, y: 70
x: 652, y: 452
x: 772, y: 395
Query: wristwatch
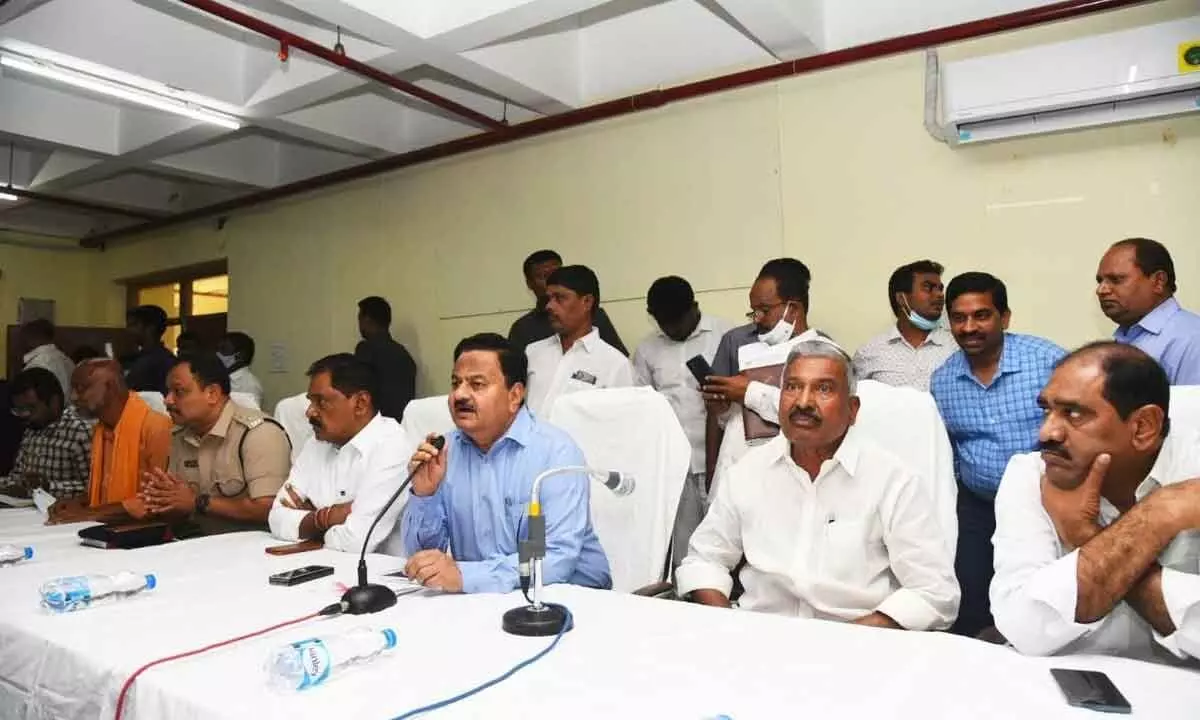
x: 202, y: 503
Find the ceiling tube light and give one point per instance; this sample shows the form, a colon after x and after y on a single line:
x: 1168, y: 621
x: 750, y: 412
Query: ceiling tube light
x: 8, y: 197
x: 118, y: 90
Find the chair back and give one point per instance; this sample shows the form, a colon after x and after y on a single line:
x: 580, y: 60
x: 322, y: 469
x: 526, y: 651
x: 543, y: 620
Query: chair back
x: 290, y: 412
x: 155, y: 400
x: 633, y: 430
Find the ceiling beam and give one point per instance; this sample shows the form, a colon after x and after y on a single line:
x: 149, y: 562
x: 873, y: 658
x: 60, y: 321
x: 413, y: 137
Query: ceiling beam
x: 78, y: 204
x: 787, y: 29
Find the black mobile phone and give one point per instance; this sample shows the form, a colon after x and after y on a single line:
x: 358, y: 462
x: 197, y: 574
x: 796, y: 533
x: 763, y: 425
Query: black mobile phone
x: 301, y: 575
x: 1090, y: 689
x: 700, y: 369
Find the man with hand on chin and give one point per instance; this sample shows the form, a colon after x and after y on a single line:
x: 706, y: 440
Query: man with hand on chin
x: 471, y: 496
x: 830, y: 526
x: 1096, y: 536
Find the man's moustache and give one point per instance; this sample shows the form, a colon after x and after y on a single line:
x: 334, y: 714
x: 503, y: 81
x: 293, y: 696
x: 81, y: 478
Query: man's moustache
x: 799, y: 413
x: 464, y: 407
x: 1052, y: 447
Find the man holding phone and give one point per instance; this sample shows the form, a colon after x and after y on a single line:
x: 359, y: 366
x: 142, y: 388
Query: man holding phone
x: 674, y: 361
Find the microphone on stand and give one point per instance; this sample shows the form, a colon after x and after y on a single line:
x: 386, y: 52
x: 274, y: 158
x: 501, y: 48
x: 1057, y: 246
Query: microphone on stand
x: 538, y: 619
x: 367, y: 597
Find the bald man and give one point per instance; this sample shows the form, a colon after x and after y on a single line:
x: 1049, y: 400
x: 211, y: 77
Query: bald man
x: 130, y: 440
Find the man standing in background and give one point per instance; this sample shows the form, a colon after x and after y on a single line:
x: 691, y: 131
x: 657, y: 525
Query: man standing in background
x: 574, y: 358
x: 395, y: 370
x: 236, y: 351
x: 37, y: 338
x: 917, y: 344
x: 535, y: 325
x: 1135, y: 284
x: 146, y: 370
x: 660, y: 361
x: 987, y: 394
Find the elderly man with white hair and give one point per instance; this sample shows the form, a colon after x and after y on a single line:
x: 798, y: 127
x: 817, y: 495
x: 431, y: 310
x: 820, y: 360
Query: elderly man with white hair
x: 831, y: 526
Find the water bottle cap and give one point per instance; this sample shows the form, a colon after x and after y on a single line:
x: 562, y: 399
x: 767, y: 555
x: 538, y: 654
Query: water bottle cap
x: 389, y: 636
x: 151, y: 581
x: 28, y: 553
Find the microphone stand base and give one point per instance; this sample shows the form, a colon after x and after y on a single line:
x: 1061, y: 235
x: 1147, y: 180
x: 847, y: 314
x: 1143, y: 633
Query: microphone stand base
x: 365, y: 599
x: 537, y: 622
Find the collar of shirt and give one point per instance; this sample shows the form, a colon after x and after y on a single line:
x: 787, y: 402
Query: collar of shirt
x: 519, y: 432
x: 1156, y: 320
x: 937, y: 336
x: 372, y: 434
x: 846, y: 456
x: 1010, y: 363
x: 586, y: 343
x: 39, y: 351
x: 220, y: 429
x: 704, y: 326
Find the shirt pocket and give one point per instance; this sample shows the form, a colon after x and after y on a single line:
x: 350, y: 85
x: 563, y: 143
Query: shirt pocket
x: 844, y: 549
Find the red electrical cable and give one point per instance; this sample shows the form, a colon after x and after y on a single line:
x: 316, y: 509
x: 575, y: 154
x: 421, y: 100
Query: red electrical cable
x: 129, y: 683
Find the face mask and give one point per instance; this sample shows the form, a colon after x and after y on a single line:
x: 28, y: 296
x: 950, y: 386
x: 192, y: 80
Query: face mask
x: 782, y: 332
x: 227, y: 360
x: 920, y: 322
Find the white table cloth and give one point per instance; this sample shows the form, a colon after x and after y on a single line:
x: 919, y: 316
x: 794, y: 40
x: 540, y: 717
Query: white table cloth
x: 629, y: 657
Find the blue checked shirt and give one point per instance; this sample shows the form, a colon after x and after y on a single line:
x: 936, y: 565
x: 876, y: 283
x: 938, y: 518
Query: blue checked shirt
x: 989, y: 424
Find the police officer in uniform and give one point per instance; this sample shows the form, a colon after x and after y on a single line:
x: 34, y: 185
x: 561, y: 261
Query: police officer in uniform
x: 227, y: 461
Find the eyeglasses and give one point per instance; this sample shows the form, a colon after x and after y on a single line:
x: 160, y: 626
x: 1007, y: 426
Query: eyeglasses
x: 756, y: 313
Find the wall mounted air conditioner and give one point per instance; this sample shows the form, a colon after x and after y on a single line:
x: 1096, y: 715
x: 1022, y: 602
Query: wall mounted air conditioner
x: 1138, y: 74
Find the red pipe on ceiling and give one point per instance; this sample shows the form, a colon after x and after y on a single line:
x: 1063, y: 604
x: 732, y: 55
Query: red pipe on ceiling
x: 641, y: 101
x: 290, y: 40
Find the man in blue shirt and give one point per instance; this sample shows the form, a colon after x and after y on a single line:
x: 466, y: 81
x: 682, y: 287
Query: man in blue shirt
x: 1135, y: 284
x: 987, y: 394
x: 471, y: 496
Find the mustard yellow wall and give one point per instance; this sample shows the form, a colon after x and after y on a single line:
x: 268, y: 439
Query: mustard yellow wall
x: 833, y: 168
x: 38, y: 267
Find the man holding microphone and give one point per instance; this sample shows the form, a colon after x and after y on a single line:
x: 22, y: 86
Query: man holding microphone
x: 472, y: 495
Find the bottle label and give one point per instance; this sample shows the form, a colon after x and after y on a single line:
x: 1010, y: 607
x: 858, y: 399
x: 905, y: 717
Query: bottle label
x: 314, y: 658
x: 73, y: 593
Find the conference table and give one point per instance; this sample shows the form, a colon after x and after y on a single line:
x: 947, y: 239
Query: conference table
x: 628, y: 657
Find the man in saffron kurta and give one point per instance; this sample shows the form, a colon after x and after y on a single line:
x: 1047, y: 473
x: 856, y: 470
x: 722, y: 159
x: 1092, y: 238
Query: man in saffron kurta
x: 130, y: 439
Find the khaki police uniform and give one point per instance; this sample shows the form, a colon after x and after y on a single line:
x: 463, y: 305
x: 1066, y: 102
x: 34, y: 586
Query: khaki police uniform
x: 212, y: 464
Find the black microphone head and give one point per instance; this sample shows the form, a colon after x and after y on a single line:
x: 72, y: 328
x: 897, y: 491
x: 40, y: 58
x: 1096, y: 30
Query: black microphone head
x: 438, y: 442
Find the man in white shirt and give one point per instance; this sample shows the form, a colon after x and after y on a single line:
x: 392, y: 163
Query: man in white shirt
x: 660, y: 361
x: 574, y: 358
x: 236, y: 351
x: 1096, y: 543
x: 917, y: 344
x: 37, y: 336
x: 830, y: 526
x: 346, y: 474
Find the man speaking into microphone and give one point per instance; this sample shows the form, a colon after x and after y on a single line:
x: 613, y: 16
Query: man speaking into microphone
x: 470, y: 498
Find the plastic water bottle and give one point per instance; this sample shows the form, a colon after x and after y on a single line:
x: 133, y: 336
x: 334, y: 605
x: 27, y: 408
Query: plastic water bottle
x: 12, y: 554
x: 68, y: 594
x: 308, y: 663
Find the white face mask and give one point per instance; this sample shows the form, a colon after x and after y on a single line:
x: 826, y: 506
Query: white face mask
x: 920, y: 321
x: 782, y: 332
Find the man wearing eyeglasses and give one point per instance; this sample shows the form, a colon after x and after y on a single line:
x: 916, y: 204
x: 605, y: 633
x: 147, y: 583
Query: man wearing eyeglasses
x: 227, y: 461
x: 778, y: 314
x: 55, y: 451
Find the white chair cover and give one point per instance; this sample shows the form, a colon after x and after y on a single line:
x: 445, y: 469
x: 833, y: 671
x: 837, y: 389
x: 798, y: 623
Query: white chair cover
x: 633, y: 430
x: 290, y: 412
x: 1185, y: 405
x: 906, y: 422
x: 423, y: 416
x: 247, y: 400
x: 154, y: 400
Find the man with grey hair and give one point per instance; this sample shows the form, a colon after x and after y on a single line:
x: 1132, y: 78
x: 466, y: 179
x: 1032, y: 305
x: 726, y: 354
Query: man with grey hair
x: 830, y: 525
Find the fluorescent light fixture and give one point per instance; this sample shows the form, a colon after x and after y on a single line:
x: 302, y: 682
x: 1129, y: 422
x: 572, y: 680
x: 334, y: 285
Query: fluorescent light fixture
x: 104, y: 86
x: 8, y: 197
